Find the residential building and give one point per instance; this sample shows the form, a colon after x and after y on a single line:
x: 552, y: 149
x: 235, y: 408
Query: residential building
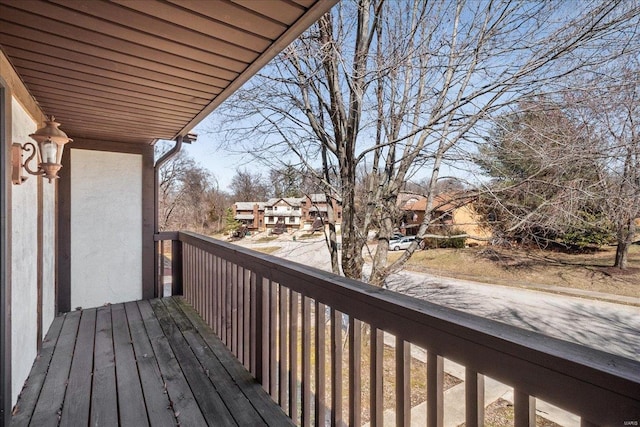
x: 315, y: 205
x: 250, y: 214
x: 450, y: 210
x: 85, y: 337
x: 292, y: 213
x: 283, y: 211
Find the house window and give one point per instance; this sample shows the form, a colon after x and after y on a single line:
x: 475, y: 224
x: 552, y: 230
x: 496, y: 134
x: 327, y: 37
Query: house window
x: 292, y: 219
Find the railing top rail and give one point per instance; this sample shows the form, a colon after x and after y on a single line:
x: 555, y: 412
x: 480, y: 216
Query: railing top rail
x: 583, y: 380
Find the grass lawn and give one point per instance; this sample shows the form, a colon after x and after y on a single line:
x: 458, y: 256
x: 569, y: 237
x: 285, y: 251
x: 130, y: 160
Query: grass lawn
x: 515, y: 266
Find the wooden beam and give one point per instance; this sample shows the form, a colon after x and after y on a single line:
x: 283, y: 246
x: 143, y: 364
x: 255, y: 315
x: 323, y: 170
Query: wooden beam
x: 5, y: 250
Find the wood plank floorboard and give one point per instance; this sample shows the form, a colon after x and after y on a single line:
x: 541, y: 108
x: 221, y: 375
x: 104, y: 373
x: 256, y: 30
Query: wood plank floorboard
x: 155, y: 397
x: 29, y: 395
x: 104, y: 398
x: 140, y: 363
x: 76, y: 410
x: 47, y: 411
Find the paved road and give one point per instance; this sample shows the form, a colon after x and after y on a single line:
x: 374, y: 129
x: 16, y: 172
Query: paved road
x: 606, y: 326
x: 614, y: 328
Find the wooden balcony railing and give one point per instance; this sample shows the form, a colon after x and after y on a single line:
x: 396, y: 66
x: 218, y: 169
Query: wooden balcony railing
x: 318, y: 344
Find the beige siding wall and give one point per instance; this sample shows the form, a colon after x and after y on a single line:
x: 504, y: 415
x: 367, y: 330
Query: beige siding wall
x: 466, y: 219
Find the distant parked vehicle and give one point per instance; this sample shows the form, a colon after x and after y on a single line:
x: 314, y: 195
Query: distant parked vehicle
x: 401, y: 243
x: 396, y: 236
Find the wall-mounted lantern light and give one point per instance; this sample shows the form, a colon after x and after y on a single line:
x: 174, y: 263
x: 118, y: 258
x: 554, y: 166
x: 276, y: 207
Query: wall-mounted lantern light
x: 51, y: 142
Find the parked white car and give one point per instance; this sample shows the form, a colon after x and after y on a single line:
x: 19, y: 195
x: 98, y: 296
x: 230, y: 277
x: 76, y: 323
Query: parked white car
x: 401, y: 243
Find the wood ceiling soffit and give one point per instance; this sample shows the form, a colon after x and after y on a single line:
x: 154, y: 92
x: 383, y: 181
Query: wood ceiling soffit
x: 236, y: 15
x: 60, y: 20
x: 118, y: 51
x: 63, y: 69
x: 109, y: 69
x: 110, y: 18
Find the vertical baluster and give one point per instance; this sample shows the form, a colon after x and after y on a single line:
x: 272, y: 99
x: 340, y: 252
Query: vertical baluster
x: 200, y: 281
x: 159, y: 255
x: 256, y: 321
x: 212, y: 291
x: 233, y: 315
x: 355, y: 374
x: 273, y: 334
x: 474, y: 398
x: 228, y: 310
x: 435, y: 392
x: 185, y: 271
x: 336, y: 367
x: 240, y: 314
x: 189, y: 272
x: 211, y: 265
x: 282, y: 344
x: 293, y: 356
x: 194, y: 276
x: 260, y: 330
x: 376, y: 376
x: 219, y: 304
x: 320, y: 403
x: 223, y: 317
x: 206, y: 315
x: 524, y: 408
x: 247, y: 300
x: 306, y: 362
x: 403, y: 384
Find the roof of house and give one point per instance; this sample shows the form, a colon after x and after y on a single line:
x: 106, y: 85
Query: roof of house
x: 244, y: 216
x: 248, y: 206
x: 444, y: 202
x: 291, y: 201
x: 318, y: 198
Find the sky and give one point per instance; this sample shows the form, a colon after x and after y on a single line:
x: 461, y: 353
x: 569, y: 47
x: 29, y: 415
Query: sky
x: 223, y: 164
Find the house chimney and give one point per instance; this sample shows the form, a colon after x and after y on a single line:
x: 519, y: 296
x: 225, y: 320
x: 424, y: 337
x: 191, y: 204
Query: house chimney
x: 255, y: 216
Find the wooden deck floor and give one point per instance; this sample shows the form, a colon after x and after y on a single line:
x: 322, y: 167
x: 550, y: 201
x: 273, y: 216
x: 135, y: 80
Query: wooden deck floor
x: 136, y: 364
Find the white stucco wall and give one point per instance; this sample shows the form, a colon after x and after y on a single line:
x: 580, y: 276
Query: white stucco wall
x: 24, y: 271
x: 106, y: 227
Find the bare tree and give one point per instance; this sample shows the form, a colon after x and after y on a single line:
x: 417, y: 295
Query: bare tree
x: 189, y: 197
x: 610, y: 109
x: 545, y: 185
x: 401, y: 86
x: 249, y: 187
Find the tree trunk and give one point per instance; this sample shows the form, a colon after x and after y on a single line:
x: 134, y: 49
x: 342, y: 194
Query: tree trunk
x: 379, y: 269
x: 625, y: 235
x: 352, y: 242
x: 331, y: 238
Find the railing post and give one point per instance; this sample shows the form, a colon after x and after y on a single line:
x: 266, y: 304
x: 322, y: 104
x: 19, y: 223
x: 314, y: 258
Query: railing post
x: 176, y: 267
x: 435, y: 393
x: 524, y: 407
x: 474, y: 398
